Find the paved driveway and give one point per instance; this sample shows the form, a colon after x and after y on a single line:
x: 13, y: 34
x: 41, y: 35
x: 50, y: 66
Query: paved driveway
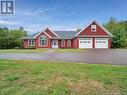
x: 101, y: 56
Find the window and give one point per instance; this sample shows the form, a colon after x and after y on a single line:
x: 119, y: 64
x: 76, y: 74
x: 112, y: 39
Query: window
x: 103, y: 41
x: 88, y: 42
x: 43, y: 41
x: 69, y: 42
x: 31, y: 42
x: 93, y: 28
x: 81, y: 41
x: 62, y: 43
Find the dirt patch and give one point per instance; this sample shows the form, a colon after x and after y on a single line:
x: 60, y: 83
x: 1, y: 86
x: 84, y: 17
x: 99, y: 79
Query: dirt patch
x: 91, y: 87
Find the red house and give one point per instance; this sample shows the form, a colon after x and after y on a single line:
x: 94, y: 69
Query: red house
x: 92, y: 36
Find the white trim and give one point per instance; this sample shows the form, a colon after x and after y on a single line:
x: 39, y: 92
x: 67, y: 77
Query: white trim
x: 37, y: 34
x: 62, y: 43
x: 69, y: 42
x: 105, y: 30
x: 94, y: 26
x: 29, y: 42
x: 42, y: 32
x: 84, y: 28
x: 47, y: 34
x: 54, y: 33
x: 46, y: 41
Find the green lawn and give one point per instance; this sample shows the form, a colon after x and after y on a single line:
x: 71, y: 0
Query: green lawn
x: 18, y: 77
x: 22, y: 50
x: 69, y: 50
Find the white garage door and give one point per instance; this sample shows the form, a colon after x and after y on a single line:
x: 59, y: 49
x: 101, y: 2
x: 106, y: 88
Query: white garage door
x: 101, y: 42
x: 85, y: 43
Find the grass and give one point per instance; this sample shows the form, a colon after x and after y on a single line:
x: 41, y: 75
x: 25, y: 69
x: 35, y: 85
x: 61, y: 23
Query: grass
x: 18, y: 77
x: 69, y: 50
x: 22, y: 50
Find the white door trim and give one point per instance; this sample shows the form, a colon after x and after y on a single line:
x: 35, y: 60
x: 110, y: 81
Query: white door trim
x: 54, y: 43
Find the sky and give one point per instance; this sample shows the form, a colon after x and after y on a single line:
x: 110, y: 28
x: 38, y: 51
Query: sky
x: 36, y: 15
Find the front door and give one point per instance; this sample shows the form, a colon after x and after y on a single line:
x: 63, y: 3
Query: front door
x: 54, y: 43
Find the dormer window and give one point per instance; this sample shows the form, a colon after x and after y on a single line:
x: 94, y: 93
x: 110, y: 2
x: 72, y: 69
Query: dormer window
x: 93, y: 28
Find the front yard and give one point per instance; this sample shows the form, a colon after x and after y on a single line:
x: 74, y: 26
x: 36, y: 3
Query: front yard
x: 40, y: 50
x: 18, y: 77
x: 23, y: 50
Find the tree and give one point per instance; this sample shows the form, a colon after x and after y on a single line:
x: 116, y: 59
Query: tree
x: 119, y: 31
x: 78, y: 30
x: 11, y: 38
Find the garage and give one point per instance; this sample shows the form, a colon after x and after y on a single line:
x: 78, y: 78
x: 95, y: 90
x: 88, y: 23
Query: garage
x: 85, y: 43
x: 101, y: 42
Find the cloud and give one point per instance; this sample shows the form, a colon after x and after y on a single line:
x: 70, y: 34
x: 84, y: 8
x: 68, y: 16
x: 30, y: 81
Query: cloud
x: 32, y: 28
x: 5, y: 22
x: 37, y: 12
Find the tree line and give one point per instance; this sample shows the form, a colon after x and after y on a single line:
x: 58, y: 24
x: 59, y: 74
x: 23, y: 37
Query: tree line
x: 11, y: 38
x: 119, y: 32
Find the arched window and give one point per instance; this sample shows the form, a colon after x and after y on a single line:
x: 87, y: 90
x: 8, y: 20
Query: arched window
x: 43, y: 41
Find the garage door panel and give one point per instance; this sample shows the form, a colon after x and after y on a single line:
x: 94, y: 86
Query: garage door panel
x: 85, y: 43
x: 101, y: 42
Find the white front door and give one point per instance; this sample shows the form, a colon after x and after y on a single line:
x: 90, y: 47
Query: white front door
x: 85, y: 43
x: 101, y: 42
x: 54, y: 43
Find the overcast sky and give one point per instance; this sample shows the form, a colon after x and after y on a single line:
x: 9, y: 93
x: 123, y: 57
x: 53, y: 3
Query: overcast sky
x: 35, y: 15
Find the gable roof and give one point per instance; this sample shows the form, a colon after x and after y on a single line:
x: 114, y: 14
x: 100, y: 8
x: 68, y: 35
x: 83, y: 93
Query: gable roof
x: 105, y: 30
x: 54, y: 35
x: 66, y: 34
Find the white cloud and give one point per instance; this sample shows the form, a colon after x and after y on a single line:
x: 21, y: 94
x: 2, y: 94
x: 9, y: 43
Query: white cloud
x: 5, y: 22
x: 36, y: 12
x: 32, y: 28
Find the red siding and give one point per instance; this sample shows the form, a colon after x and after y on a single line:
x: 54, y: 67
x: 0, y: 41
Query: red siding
x: 25, y: 43
x: 88, y: 31
x: 75, y: 43
x: 93, y: 42
x: 109, y: 43
x: 65, y: 46
x: 37, y: 42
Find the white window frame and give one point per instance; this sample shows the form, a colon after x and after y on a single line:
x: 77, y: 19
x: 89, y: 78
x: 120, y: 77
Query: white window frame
x: 40, y: 42
x: 31, y: 42
x: 69, y: 43
x: 93, y: 28
x: 62, y: 43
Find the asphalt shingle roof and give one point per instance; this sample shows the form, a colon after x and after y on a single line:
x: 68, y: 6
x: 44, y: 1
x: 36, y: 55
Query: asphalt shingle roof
x: 66, y: 34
